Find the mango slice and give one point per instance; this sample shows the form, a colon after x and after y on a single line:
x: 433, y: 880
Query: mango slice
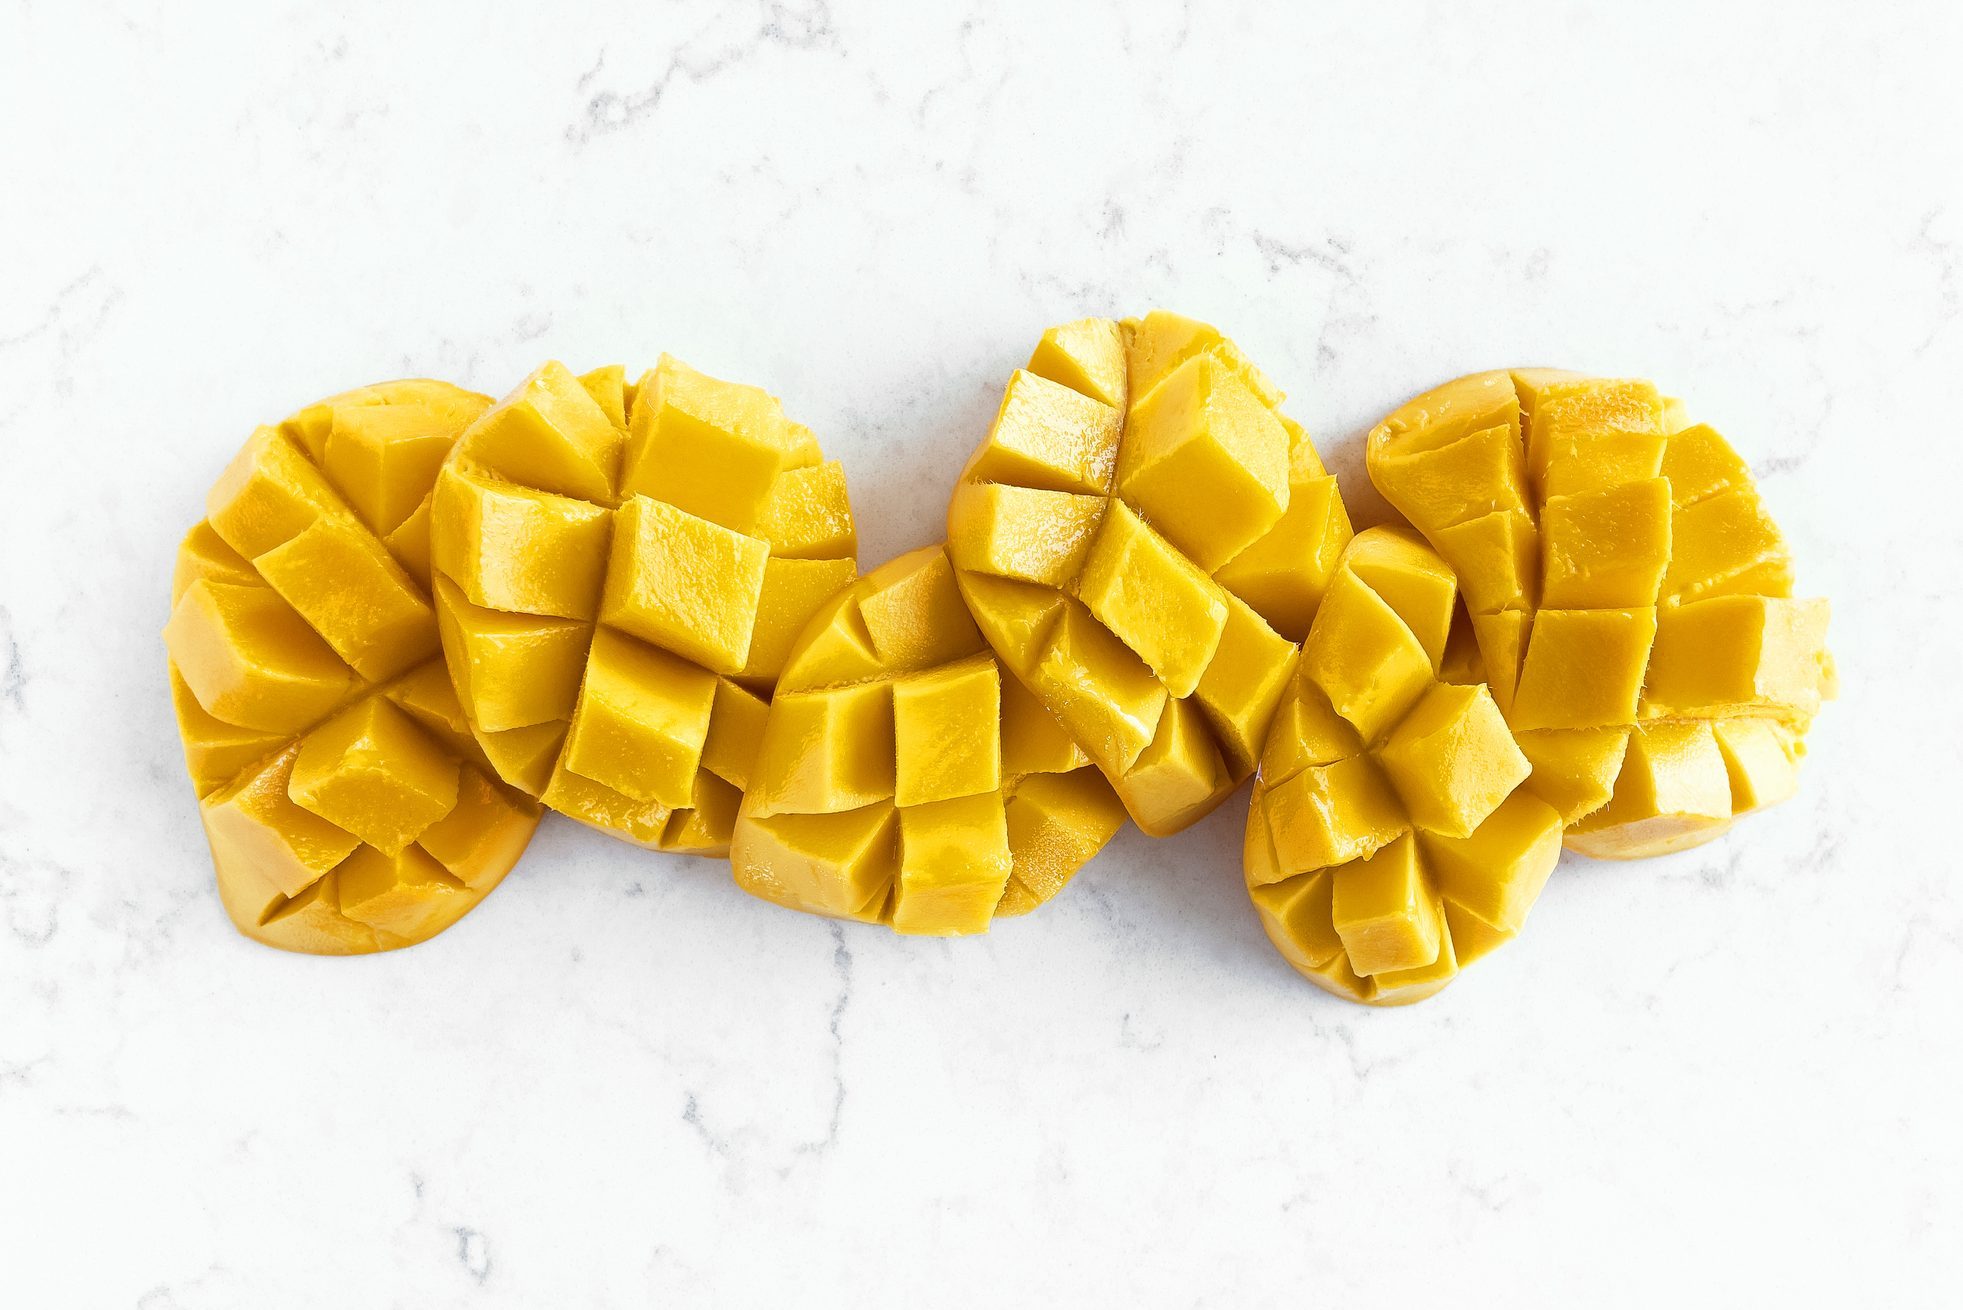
x: 1392, y: 837
x: 1630, y: 599
x: 620, y: 573
x: 347, y: 806
x: 1143, y: 539
x: 901, y: 778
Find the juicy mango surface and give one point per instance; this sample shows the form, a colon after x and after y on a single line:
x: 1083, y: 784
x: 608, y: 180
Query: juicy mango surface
x: 903, y: 779
x: 620, y: 571
x: 1391, y: 839
x: 1630, y: 596
x: 1144, y: 539
x: 347, y: 806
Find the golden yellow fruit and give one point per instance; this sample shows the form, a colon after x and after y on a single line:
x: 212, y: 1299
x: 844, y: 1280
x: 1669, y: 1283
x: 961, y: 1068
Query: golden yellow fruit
x: 347, y: 806
x: 620, y: 572
x: 1630, y: 595
x: 1143, y: 539
x: 1390, y: 841
x: 902, y: 779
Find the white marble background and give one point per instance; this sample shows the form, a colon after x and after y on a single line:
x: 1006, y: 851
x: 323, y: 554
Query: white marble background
x: 1729, y: 1075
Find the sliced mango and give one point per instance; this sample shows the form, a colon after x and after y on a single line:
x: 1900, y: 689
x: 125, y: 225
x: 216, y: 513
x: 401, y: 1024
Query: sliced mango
x: 620, y: 574
x: 347, y: 807
x: 902, y: 778
x: 1143, y: 539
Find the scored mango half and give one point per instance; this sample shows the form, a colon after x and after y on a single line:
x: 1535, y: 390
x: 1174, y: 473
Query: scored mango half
x: 902, y: 779
x: 347, y: 807
x: 1630, y: 594
x: 1390, y: 840
x: 1144, y: 538
x: 620, y: 571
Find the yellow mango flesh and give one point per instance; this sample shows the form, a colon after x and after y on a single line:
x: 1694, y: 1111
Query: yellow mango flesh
x: 1629, y: 597
x: 620, y: 573
x: 900, y: 777
x: 347, y: 807
x: 1144, y: 539
x: 1393, y: 835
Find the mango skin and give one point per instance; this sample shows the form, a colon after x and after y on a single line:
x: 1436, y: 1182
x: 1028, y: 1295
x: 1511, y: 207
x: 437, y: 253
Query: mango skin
x: 347, y: 808
x: 1144, y: 539
x: 1630, y: 595
x: 1391, y: 839
x: 620, y: 570
x: 902, y: 778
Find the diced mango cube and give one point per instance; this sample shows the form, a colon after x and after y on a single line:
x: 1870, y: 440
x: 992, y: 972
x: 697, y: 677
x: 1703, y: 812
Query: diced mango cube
x: 1049, y: 437
x: 735, y: 733
x: 1574, y: 768
x: 352, y: 592
x: 1306, y: 731
x: 711, y: 448
x: 594, y: 803
x: 512, y: 548
x: 373, y: 772
x: 1753, y: 652
x: 1758, y: 758
x: 1481, y: 474
x: 1016, y: 616
x: 1088, y: 356
x: 1673, y: 792
x: 268, y: 493
x: 1154, y: 599
x: 641, y: 721
x: 841, y: 864
x: 405, y: 893
x: 253, y: 824
x: 1250, y: 672
x: 1205, y: 461
x: 808, y: 514
x: 793, y: 591
x: 1296, y: 914
x: 914, y: 613
x: 1584, y: 668
x: 1498, y: 870
x: 954, y: 865
x: 683, y: 583
x: 483, y: 834
x: 1330, y: 814
x: 947, y: 732
x: 385, y: 457
x: 1158, y: 344
x: 251, y: 660
x: 1387, y: 916
x: 1056, y: 823
x: 1452, y: 760
x: 1284, y: 573
x: 1701, y: 464
x: 510, y: 670
x: 1032, y: 740
x: 1412, y: 579
x: 825, y: 751
x: 1496, y: 558
x: 550, y: 434
x: 1022, y: 532
x: 1178, y: 777
x: 1101, y: 692
x: 1605, y: 549
x: 1364, y: 657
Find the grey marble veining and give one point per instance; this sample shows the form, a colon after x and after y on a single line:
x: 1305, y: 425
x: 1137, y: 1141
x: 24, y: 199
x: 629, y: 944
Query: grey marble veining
x: 1729, y: 1074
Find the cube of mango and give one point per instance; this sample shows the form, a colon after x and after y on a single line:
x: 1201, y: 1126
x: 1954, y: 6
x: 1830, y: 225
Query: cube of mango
x: 1178, y: 777
x: 386, y: 456
x: 373, y: 772
x: 1330, y: 814
x: 793, y: 591
x: 1744, y: 652
x: 1412, y: 579
x: 1452, y: 760
x: 1154, y: 599
x: 947, y: 732
x: 1673, y: 792
x: 1205, y: 461
x: 251, y: 660
x: 642, y: 720
x: 808, y: 514
x: 1726, y: 544
x: 954, y: 865
x: 1101, y: 691
x: 510, y: 670
x: 1022, y: 532
x: 1605, y: 549
x: 270, y: 493
x: 1056, y: 823
x: 1364, y: 657
x: 1032, y: 739
x: 1049, y: 437
x: 512, y: 548
x: 1157, y: 344
x: 548, y: 434
x: 1759, y: 759
x: 1088, y: 356
x: 1574, y: 768
x: 825, y: 751
x: 253, y: 822
x: 713, y: 449
x: 1496, y: 558
x: 736, y: 719
x: 597, y: 805
x: 840, y: 864
x: 1283, y: 573
x: 351, y: 592
x: 1244, y: 683
x: 404, y: 894
x: 1583, y: 669
x: 684, y: 583
x: 1497, y: 871
x: 1384, y: 911
x: 1297, y: 914
x: 1480, y: 474
x: 914, y: 613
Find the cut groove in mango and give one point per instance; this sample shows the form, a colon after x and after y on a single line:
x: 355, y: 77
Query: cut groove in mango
x: 1630, y: 597
x: 1143, y: 539
x: 902, y: 779
x: 1391, y: 841
x: 620, y: 571
x: 347, y: 806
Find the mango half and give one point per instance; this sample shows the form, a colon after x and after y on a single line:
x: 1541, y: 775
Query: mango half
x: 902, y: 779
x: 347, y: 807
x: 1631, y: 598
x: 620, y: 571
x: 1390, y: 841
x: 1143, y: 539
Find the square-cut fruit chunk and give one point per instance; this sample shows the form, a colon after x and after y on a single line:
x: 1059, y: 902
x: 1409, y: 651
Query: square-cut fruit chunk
x: 1056, y: 822
x: 1453, y: 760
x: 485, y: 831
x: 1284, y: 573
x: 1605, y: 549
x: 251, y: 660
x: 269, y: 492
x: 1329, y: 814
x: 709, y: 447
x: 1159, y: 343
x: 1412, y: 579
x: 352, y: 592
x: 1496, y: 558
x: 735, y: 732
x: 513, y: 548
x: 642, y: 719
x: 1088, y: 356
x: 1584, y: 668
x: 1738, y: 651
x: 1179, y: 776
x: 825, y: 751
x: 253, y: 825
x: 385, y: 457
x: 1384, y: 911
x: 793, y: 591
x: 954, y: 865
x: 1022, y: 532
x: 915, y: 615
x: 1250, y: 672
x: 1758, y: 756
x: 684, y: 583
x: 808, y: 514
x: 551, y: 434
x: 1098, y: 688
x: 406, y: 893
x: 1574, y: 768
x: 947, y: 732
x: 372, y: 771
x: 1306, y: 731
x: 1479, y: 474
x: 1154, y: 599
x: 1672, y: 792
x: 1297, y: 916
x: 1049, y: 437
x: 510, y: 670
x: 1726, y: 544
x: 1498, y: 871
x: 1364, y: 658
x: 841, y: 864
x: 1205, y: 461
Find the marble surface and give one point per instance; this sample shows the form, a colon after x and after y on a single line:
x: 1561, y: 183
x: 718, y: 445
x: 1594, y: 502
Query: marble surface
x: 1730, y: 1074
